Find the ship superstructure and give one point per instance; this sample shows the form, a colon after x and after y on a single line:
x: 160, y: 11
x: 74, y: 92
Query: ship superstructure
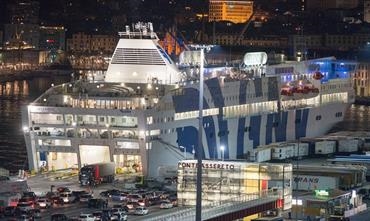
x: 143, y: 116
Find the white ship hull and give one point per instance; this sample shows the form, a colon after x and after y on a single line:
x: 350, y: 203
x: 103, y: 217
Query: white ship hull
x: 239, y: 142
x: 145, y: 114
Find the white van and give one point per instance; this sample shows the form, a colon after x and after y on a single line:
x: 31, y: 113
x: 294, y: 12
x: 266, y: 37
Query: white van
x: 67, y: 197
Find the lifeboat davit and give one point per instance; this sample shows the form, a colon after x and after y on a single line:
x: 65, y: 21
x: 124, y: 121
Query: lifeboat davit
x: 317, y: 75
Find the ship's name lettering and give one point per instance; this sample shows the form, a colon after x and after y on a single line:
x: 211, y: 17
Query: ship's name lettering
x: 208, y: 166
x: 306, y: 179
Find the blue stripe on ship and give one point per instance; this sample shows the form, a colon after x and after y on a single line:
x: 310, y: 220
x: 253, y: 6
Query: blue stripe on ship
x: 258, y: 87
x: 276, y: 123
x: 189, y: 101
x: 273, y: 89
x: 301, y: 123
x: 280, y: 130
x: 255, y: 130
x: 241, y: 121
x: 218, y: 99
x: 269, y: 127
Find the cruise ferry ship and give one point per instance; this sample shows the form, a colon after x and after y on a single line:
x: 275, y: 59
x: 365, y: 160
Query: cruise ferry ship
x: 144, y: 114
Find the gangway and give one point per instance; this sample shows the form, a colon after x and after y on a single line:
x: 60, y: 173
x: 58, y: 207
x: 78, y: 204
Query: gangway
x: 231, y: 209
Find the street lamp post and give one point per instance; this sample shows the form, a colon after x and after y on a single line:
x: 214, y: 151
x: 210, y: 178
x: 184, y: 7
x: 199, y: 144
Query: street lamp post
x: 199, y: 148
x: 222, y: 148
x: 198, y: 207
x: 182, y: 147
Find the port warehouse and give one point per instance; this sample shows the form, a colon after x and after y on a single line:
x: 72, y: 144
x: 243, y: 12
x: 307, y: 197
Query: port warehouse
x: 345, y: 174
x: 312, y: 177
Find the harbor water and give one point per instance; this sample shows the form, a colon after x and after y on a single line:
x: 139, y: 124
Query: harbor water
x: 13, y: 95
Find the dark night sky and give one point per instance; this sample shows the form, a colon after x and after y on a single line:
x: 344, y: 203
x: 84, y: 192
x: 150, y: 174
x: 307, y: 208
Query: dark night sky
x: 3, y: 12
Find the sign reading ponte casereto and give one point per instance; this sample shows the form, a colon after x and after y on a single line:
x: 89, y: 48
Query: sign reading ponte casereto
x: 213, y: 165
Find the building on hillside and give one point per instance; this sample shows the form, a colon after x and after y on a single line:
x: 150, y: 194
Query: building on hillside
x: 52, y: 38
x: 237, y: 11
x: 103, y: 44
x: 28, y: 33
x: 339, y: 42
x: 86, y: 43
x: 331, y: 4
x: 346, y: 41
x: 266, y: 41
x: 361, y: 79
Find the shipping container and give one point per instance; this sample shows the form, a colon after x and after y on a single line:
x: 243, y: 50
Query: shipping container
x: 97, y: 173
x: 349, y: 176
x: 299, y: 149
x: 282, y: 151
x: 348, y: 145
x: 362, y: 136
x: 260, y: 154
x: 311, y: 145
x: 9, y: 199
x: 311, y: 182
x: 325, y: 147
x: 17, y: 186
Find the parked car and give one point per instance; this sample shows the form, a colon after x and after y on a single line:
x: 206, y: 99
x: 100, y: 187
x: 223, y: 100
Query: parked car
x: 84, y: 198
x: 63, y: 189
x: 36, y: 213
x: 67, y: 197
x: 77, y: 194
x: 98, y: 215
x: 119, y: 216
x: 24, y: 206
x: 119, y: 196
x: 96, y: 203
x: 141, y: 210
x: 166, y: 204
x: 31, y: 196
x: 132, y: 205
x: 9, y: 210
x: 134, y: 197
x: 119, y: 210
x: 106, y: 214
x: 173, y: 200
x: 86, y: 217
x: 24, y: 216
x: 57, y: 200
x: 43, y: 203
x: 59, y: 217
x: 109, y: 193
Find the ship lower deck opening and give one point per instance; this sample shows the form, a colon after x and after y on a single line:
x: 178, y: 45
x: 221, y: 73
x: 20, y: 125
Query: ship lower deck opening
x: 90, y: 154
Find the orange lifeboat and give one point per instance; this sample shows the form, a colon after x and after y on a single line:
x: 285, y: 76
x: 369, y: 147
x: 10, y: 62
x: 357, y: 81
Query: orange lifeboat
x: 286, y: 90
x: 317, y: 75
